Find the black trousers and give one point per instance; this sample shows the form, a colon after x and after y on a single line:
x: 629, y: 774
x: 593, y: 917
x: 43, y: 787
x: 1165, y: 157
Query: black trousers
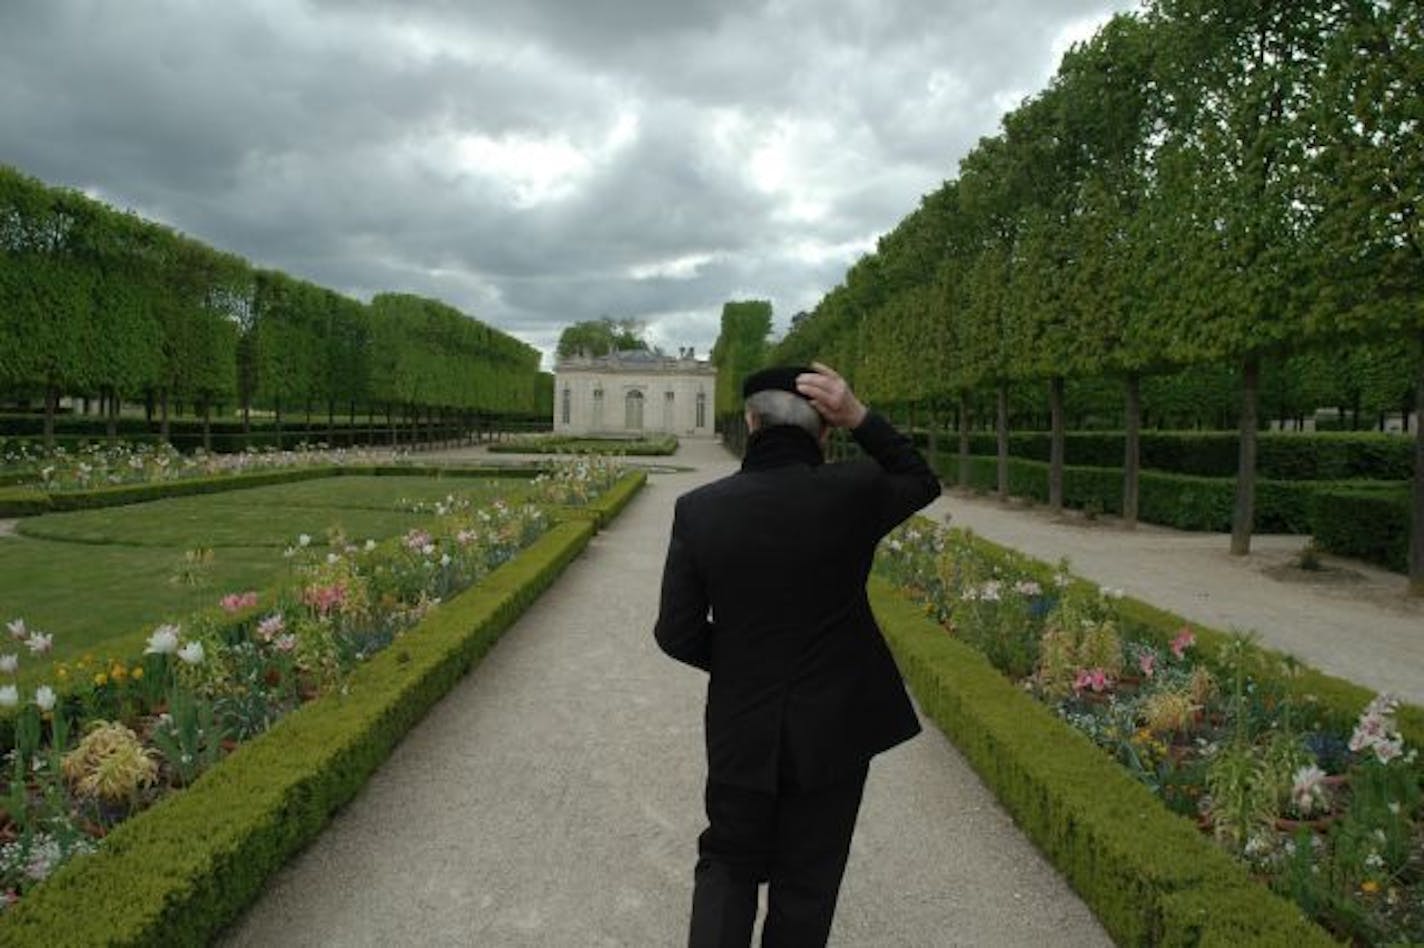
x: 795, y: 840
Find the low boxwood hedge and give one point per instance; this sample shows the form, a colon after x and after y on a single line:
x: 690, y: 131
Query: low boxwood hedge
x: 1147, y: 873
x: 179, y: 872
x: 23, y: 502
x: 545, y: 444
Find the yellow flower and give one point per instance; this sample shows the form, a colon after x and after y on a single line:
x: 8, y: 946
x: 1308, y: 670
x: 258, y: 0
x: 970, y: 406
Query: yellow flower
x: 118, y: 673
x: 137, y: 673
x: 61, y: 673
x: 1369, y: 887
x: 101, y: 679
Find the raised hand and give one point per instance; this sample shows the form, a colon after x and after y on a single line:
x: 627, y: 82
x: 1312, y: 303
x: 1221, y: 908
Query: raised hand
x: 831, y: 396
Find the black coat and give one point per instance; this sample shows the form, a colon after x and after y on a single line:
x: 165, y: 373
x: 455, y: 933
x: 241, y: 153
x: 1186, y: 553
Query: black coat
x: 764, y: 587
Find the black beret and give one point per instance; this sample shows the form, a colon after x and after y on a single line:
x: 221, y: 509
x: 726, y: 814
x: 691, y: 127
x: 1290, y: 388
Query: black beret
x: 778, y: 377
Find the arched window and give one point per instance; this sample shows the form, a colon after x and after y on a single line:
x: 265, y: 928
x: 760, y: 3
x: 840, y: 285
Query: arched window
x: 669, y: 418
x: 566, y: 407
x: 633, y: 410
x: 702, y: 409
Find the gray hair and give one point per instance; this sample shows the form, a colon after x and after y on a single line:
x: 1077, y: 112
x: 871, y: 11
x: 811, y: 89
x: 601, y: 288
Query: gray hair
x: 776, y: 407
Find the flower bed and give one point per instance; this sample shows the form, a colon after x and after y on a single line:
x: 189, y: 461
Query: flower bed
x: 96, y: 466
x: 170, y: 719
x: 145, y: 727
x: 569, y: 444
x: 1218, y: 730
x: 179, y: 872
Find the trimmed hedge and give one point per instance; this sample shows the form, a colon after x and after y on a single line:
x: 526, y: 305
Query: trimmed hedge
x: 1280, y: 455
x: 547, y: 444
x: 181, y: 871
x: 1371, y: 525
x: 1175, y: 500
x: 1147, y: 873
x: 23, y: 502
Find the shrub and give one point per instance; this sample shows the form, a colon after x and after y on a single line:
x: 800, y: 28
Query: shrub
x: 1372, y: 525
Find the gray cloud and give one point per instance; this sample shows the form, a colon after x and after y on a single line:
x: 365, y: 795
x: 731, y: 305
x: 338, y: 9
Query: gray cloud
x: 534, y: 163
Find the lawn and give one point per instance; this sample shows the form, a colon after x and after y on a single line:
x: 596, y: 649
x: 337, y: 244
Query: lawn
x: 92, y: 576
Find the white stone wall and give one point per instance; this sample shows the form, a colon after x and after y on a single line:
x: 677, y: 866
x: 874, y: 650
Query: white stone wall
x: 668, y: 401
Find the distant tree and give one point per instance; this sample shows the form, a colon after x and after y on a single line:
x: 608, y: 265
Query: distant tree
x: 601, y: 336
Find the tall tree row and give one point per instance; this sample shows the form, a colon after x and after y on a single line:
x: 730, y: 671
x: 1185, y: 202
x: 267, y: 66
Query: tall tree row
x: 95, y: 303
x: 1208, y: 190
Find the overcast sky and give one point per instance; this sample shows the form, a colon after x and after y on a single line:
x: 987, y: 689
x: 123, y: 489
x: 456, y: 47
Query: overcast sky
x: 532, y: 162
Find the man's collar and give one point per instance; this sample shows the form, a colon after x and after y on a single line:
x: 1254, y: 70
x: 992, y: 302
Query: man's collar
x: 779, y: 446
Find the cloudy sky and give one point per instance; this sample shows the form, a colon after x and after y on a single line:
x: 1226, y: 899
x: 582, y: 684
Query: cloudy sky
x: 532, y: 162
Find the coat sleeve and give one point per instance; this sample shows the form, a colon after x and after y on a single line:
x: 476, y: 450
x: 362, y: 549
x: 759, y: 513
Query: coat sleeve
x: 682, y: 629
x: 908, y: 484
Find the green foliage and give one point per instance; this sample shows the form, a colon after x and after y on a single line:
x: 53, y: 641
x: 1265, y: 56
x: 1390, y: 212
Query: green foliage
x: 1182, y: 501
x: 568, y: 444
x: 740, y: 349
x: 1372, y: 525
x: 599, y: 337
x: 92, y: 300
x: 1280, y: 455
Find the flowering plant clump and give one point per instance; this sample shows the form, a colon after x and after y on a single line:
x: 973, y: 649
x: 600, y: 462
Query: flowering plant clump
x: 219, y: 677
x: 576, y: 483
x: 1333, y: 820
x: 102, y: 465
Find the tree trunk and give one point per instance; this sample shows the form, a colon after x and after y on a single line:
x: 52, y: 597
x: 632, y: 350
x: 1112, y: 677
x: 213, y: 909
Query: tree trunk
x: 1132, y: 452
x: 1243, y: 516
x: 1416, y: 530
x: 932, y: 439
x: 163, y: 415
x: 246, y: 424
x: 111, y: 416
x: 1055, y: 454
x: 391, y: 424
x: 51, y: 408
x: 277, y: 411
x: 207, y: 425
x: 1001, y: 425
x: 331, y: 423
x: 963, y: 438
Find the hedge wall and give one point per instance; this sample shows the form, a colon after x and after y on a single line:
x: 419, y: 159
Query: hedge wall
x: 1287, y: 456
x: 1176, y: 500
x: 1372, y: 525
x: 181, y: 871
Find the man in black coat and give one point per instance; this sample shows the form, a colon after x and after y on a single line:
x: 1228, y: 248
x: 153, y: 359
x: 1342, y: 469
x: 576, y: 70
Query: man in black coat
x: 764, y: 587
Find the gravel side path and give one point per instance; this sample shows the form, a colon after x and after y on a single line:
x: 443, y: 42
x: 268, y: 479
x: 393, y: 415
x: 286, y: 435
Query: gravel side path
x: 554, y: 799
x: 1349, y: 619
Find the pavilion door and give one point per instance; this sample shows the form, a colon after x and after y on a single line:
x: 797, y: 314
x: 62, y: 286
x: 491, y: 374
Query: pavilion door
x: 633, y: 411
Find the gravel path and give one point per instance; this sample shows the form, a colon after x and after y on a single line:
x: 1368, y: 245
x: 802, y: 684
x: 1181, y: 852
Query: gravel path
x: 1350, y: 619
x: 554, y: 798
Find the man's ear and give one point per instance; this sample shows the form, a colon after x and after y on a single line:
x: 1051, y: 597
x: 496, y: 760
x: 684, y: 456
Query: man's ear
x: 751, y: 421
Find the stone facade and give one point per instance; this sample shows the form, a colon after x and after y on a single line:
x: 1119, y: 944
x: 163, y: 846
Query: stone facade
x: 629, y: 394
